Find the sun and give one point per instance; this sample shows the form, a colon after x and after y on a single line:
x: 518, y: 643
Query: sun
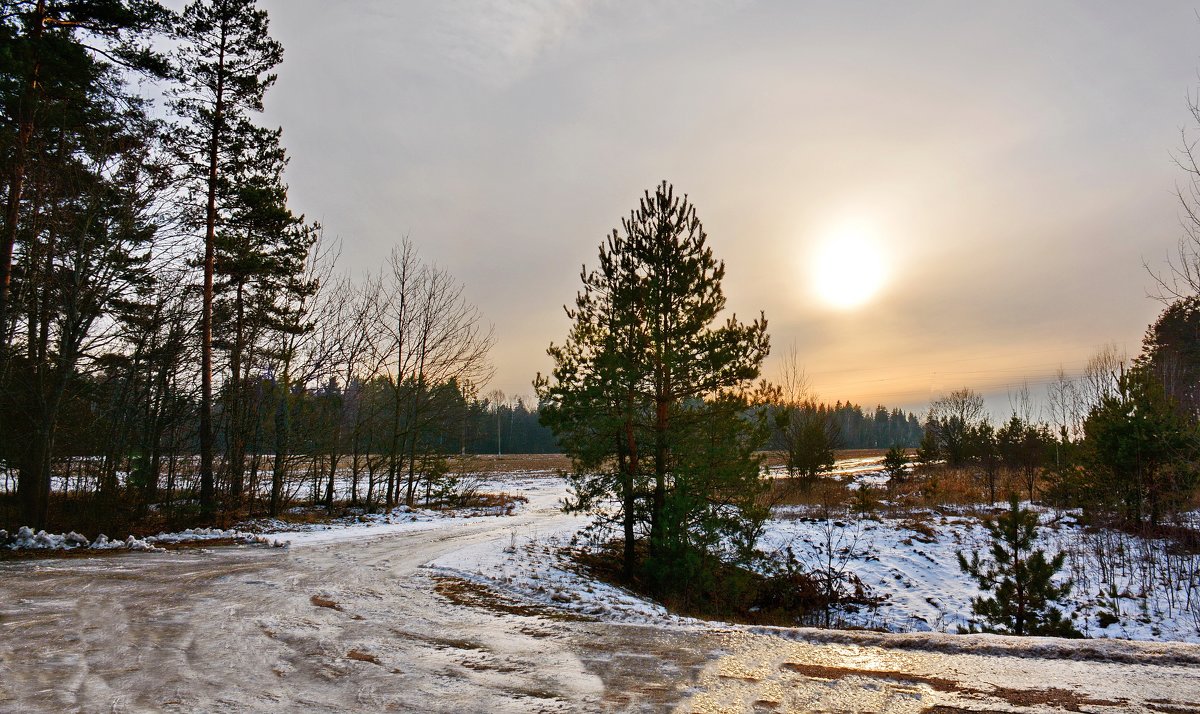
x: 848, y: 267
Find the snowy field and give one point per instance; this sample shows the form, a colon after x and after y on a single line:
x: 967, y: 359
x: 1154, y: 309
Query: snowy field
x: 912, y: 563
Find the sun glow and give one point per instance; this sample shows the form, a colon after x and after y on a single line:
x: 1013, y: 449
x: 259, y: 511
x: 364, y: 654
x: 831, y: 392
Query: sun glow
x: 848, y: 267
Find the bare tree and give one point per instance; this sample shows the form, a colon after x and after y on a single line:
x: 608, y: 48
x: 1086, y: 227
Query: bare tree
x: 1020, y: 401
x: 1101, y: 375
x: 1064, y: 401
x: 431, y: 337
x: 804, y: 429
x: 952, y: 418
x: 497, y: 398
x: 1181, y: 278
x: 298, y: 356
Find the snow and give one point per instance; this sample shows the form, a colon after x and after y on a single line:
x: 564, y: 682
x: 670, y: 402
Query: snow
x: 908, y: 559
x: 912, y: 562
x: 240, y: 629
x: 533, y: 566
x: 26, y: 539
x: 402, y: 519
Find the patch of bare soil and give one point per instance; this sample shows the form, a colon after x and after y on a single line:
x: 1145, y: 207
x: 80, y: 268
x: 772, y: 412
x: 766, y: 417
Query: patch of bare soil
x: 471, y: 594
x: 319, y: 601
x: 1063, y: 699
x: 1165, y: 706
x: 360, y: 656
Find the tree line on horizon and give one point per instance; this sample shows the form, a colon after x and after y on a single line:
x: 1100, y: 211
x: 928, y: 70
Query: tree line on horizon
x: 1122, y: 441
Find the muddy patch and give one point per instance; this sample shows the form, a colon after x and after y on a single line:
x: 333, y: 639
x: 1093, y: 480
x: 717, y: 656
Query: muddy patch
x: 472, y: 594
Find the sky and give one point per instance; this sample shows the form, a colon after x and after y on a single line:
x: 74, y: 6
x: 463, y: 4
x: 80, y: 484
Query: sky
x: 1008, y: 168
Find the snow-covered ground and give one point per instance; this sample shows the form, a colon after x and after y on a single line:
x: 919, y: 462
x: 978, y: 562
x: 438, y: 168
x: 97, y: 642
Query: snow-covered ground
x: 26, y: 540
x: 912, y: 563
x: 1124, y: 587
x: 362, y: 616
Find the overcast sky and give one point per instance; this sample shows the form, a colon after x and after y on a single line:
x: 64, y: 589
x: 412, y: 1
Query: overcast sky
x: 1013, y: 160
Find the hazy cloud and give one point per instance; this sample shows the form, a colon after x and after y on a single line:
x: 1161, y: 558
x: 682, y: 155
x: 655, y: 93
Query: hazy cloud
x: 1015, y: 157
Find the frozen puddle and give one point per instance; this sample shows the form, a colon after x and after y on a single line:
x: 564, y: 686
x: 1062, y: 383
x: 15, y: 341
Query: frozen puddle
x: 446, y: 617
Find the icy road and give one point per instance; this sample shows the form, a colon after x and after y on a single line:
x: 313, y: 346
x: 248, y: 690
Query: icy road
x: 360, y: 624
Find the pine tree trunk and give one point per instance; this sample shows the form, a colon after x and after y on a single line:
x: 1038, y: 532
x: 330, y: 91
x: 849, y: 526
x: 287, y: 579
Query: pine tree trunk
x: 236, y: 407
x: 283, y: 432
x: 207, y: 484
x: 660, y: 476
x: 16, y: 181
x: 628, y: 457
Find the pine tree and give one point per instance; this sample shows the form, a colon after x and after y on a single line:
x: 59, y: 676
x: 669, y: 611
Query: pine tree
x: 74, y: 249
x: 53, y: 53
x: 1140, y: 449
x: 809, y: 436
x: 1020, y: 579
x: 260, y: 260
x: 223, y: 67
x: 895, y: 463
x: 645, y: 371
x: 1171, y: 351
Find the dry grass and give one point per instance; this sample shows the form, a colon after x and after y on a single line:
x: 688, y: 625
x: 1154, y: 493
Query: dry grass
x: 507, y: 463
x: 796, y: 492
x: 928, y: 488
x: 504, y: 463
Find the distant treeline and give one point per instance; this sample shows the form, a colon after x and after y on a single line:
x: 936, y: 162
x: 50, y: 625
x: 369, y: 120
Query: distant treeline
x: 356, y: 420
x: 496, y: 426
x: 513, y: 428
x: 881, y: 429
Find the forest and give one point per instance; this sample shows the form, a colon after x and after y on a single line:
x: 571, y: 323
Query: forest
x: 174, y: 338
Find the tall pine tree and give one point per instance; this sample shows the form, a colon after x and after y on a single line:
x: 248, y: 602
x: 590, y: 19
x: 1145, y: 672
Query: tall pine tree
x: 646, y: 381
x: 53, y: 53
x: 77, y: 152
x: 223, y: 71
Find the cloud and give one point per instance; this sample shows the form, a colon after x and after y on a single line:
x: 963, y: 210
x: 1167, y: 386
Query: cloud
x: 496, y: 42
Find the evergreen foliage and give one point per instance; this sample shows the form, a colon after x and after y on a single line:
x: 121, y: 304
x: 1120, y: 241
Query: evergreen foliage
x: 895, y: 463
x: 222, y: 72
x: 81, y: 177
x: 951, y: 422
x: 644, y: 379
x: 1020, y: 579
x: 1140, y: 449
x: 1171, y: 352
x: 808, y: 434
